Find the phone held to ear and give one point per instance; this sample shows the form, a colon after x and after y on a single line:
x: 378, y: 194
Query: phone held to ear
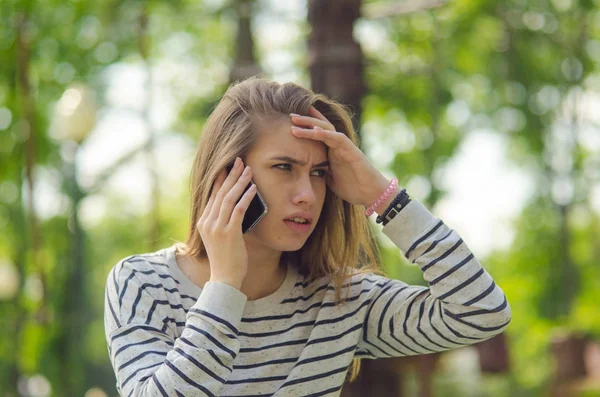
x: 256, y: 210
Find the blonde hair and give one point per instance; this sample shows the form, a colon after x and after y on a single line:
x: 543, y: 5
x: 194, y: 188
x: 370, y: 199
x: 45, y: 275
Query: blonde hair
x: 342, y: 243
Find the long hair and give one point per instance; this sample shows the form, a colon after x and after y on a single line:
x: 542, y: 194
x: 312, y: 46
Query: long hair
x: 342, y: 243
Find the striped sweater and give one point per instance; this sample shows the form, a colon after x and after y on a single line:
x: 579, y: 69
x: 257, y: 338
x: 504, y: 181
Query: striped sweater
x: 168, y: 337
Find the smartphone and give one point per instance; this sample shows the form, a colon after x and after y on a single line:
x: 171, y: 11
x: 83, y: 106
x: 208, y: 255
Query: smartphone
x: 256, y: 210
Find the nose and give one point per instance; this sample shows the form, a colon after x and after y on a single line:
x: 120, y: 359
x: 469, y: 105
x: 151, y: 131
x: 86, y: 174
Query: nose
x: 304, y: 192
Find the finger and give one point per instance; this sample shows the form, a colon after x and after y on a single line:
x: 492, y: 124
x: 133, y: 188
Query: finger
x: 305, y: 121
x: 333, y: 139
x: 313, y: 110
x: 228, y: 183
x: 232, y: 197
x: 211, y: 198
x: 237, y: 217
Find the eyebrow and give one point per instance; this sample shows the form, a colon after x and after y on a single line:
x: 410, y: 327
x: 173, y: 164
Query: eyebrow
x: 299, y: 162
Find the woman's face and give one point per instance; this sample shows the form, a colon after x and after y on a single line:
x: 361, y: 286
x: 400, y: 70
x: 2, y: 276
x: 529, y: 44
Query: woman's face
x: 289, y: 173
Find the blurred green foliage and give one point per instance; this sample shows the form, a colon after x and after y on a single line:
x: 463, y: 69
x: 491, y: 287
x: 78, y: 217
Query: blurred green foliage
x: 515, y: 67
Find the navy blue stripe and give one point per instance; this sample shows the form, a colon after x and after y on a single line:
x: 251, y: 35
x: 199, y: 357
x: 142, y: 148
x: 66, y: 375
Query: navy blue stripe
x: 139, y: 357
x: 327, y: 287
x: 443, y: 256
x: 159, y: 386
x: 138, y: 327
x: 257, y: 380
x: 431, y: 309
x: 289, y: 343
x: 138, y: 371
x: 432, y: 246
x: 425, y: 237
x: 187, y: 342
x: 146, y: 272
x: 497, y: 309
x: 368, y: 315
x: 308, y: 323
x: 421, y: 312
x: 282, y: 316
x: 393, y: 334
x: 147, y: 261
x: 184, y: 296
x: 217, y: 359
x: 213, y: 340
x: 138, y: 297
x: 187, y: 379
x: 381, y: 340
x: 415, y: 295
x: 462, y: 285
x: 140, y: 343
x: 365, y: 352
x: 263, y: 364
x: 157, y: 302
x: 179, y: 394
x: 132, y: 275
x: 326, y: 356
x: 217, y: 319
x: 386, y: 307
x: 314, y: 377
x: 477, y: 327
x: 482, y: 295
x: 455, y: 332
x: 112, y: 310
x: 283, y: 331
x: 168, y: 320
x: 334, y: 337
x: 200, y: 365
x: 315, y: 305
x: 383, y: 352
x: 345, y: 316
x: 452, y: 269
x: 322, y: 393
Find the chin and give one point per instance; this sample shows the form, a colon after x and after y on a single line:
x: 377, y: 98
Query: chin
x: 285, y: 244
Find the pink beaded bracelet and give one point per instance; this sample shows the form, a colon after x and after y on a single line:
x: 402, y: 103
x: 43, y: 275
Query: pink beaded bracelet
x: 384, y: 196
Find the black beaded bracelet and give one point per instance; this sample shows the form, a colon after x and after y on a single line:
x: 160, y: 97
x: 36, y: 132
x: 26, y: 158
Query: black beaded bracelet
x: 397, y: 205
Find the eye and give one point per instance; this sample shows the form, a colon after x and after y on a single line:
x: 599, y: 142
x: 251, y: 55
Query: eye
x: 321, y: 173
x: 283, y: 167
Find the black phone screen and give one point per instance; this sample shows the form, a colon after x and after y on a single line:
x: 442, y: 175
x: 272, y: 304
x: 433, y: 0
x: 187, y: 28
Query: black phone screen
x: 256, y: 210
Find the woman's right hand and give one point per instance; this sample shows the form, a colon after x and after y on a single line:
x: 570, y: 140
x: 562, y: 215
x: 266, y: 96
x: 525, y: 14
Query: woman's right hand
x: 220, y: 225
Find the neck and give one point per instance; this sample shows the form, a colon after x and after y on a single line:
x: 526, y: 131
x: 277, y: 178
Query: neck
x: 265, y: 273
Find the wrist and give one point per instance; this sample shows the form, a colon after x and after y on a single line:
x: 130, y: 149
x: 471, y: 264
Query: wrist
x: 374, y: 190
x: 380, y: 209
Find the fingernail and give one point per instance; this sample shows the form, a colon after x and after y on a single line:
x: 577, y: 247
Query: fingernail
x: 238, y: 161
x: 294, y: 115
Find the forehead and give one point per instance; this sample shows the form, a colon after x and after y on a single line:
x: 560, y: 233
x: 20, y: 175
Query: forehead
x: 275, y: 136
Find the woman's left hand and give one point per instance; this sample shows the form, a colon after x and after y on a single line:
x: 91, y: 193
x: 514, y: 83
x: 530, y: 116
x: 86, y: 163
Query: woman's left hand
x: 352, y: 176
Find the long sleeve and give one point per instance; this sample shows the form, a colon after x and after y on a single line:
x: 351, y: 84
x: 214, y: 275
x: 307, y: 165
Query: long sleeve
x: 140, y: 324
x: 463, y: 305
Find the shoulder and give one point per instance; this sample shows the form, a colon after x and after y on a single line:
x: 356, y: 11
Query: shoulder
x: 146, y: 269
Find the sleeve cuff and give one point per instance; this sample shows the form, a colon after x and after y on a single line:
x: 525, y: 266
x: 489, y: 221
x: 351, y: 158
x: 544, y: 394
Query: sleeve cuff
x: 222, y: 300
x: 410, y: 224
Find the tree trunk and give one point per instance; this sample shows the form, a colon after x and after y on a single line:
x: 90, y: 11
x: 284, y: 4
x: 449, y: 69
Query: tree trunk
x: 336, y: 61
x: 245, y: 64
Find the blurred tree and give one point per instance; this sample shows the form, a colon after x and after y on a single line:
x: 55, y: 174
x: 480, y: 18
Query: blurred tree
x: 335, y: 59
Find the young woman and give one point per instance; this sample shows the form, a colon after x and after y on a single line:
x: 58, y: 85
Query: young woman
x: 287, y: 308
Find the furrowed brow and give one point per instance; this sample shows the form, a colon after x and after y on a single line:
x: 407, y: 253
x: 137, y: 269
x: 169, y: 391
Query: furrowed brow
x: 292, y: 160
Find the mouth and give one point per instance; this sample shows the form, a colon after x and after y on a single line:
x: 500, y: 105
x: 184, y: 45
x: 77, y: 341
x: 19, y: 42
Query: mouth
x: 299, y: 220
x: 299, y: 223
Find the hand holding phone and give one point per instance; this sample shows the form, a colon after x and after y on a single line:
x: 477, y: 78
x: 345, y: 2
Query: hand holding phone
x: 256, y: 210
x: 220, y: 225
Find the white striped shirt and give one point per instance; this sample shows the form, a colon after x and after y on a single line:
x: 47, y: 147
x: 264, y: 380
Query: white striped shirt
x: 168, y: 337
